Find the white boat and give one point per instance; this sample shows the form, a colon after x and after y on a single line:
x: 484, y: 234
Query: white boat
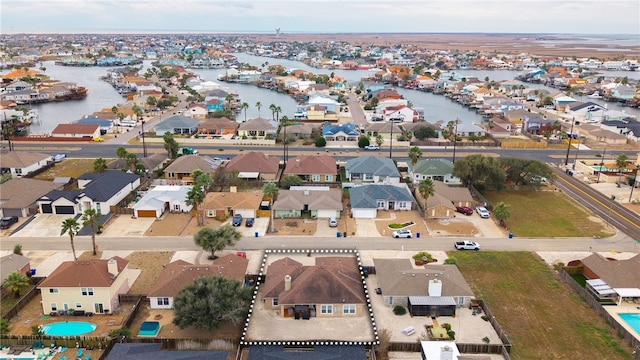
x: 595, y: 95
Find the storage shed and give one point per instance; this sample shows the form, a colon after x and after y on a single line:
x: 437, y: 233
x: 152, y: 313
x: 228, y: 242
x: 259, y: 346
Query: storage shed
x: 432, y: 306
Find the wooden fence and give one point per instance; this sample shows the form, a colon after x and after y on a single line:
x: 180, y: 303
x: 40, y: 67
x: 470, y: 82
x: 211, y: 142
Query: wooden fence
x: 25, y: 299
x: 599, y: 308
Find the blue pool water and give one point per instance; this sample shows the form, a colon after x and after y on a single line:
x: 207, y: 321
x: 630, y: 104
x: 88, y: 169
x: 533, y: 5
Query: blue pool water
x: 149, y: 328
x: 68, y: 328
x: 633, y: 320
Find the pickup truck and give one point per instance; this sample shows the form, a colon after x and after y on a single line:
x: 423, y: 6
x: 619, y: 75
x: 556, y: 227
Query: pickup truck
x: 467, y: 245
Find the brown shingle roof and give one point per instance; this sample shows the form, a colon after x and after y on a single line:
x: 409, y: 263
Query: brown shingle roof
x: 187, y: 164
x: 20, y: 193
x: 616, y: 273
x: 75, y: 129
x: 308, y: 165
x: 179, y: 274
x: 92, y: 273
x: 254, y: 162
x: 257, y: 124
x: 218, y: 123
x: 237, y: 200
x: 19, y: 159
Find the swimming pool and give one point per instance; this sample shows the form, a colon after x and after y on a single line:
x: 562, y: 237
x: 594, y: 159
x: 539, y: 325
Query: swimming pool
x: 68, y: 328
x: 632, y: 320
x: 149, y: 328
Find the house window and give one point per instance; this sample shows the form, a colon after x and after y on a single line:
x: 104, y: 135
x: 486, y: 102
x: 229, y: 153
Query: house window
x: 18, y: 172
x: 53, y: 291
x: 210, y: 213
x: 328, y: 178
x: 87, y: 291
x: 380, y: 204
x: 171, y: 175
x: 402, y: 205
x: 176, y: 207
x: 163, y: 301
x: 390, y: 301
x: 54, y: 307
x: 274, y: 301
x: 349, y: 309
x: 78, y: 305
x: 98, y: 208
x: 315, y: 177
x: 326, y: 309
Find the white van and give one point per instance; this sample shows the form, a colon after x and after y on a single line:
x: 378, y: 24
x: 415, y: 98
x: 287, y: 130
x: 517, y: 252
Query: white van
x: 128, y: 123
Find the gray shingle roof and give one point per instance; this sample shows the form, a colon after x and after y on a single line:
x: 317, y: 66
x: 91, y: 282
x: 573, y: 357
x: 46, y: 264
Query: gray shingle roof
x: 366, y: 196
x: 433, y: 167
x: 153, y: 352
x: 104, y: 186
x: 380, y: 166
x: 327, y: 352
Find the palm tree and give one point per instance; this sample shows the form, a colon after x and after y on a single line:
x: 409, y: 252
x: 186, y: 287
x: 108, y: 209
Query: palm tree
x: 138, y: 111
x: 277, y: 110
x: 272, y: 107
x: 15, y: 281
x: 501, y: 212
x: 244, y: 107
x: 270, y: 190
x: 90, y: 217
x: 229, y: 98
x: 132, y: 161
x: 414, y: 154
x: 259, y: 105
x: 100, y: 165
x: 379, y: 140
x: 195, y: 197
x: 71, y: 226
x: 621, y: 163
x: 426, y: 189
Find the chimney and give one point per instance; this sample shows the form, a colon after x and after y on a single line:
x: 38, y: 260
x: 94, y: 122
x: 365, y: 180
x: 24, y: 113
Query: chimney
x: 112, y: 267
x: 446, y: 353
x: 435, y: 287
x: 297, y: 162
x: 233, y: 189
x: 306, y: 192
x: 287, y: 282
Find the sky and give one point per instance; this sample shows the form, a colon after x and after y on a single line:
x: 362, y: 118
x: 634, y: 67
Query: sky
x: 317, y: 16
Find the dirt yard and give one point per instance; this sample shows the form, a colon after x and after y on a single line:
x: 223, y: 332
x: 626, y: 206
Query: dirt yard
x: 151, y: 264
x: 179, y: 224
x: 452, y: 227
x: 295, y: 227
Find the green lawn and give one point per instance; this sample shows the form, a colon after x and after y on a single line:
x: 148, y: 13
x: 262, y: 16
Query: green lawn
x: 542, y: 316
x: 547, y: 214
x: 68, y: 168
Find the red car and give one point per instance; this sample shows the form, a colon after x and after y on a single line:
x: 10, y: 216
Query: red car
x: 464, y: 210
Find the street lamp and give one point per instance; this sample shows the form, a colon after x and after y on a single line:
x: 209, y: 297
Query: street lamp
x: 569, y: 138
x: 575, y: 160
x: 601, y: 163
x: 455, y: 140
x: 634, y: 182
x: 144, y: 146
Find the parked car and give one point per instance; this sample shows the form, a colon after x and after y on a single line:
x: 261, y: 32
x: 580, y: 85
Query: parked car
x: 6, y: 222
x: 464, y: 210
x: 372, y: 147
x: 467, y: 245
x: 483, y: 212
x: 333, y: 222
x: 402, y: 233
x: 237, y: 220
x: 249, y: 222
x: 59, y: 157
x: 97, y: 139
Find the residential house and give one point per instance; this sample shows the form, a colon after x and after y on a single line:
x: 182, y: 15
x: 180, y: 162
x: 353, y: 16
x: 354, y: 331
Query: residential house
x: 85, y: 131
x: 399, y: 113
x: 162, y: 198
x: 588, y: 110
x: 12, y: 263
x: 214, y: 105
x: 258, y: 128
x: 299, y: 131
x: 180, y: 171
x: 628, y: 127
x: 437, y: 206
x: 457, y: 195
x: 372, y: 169
x: 313, y: 168
x: 19, y: 196
x: 253, y: 165
x: 595, y: 133
x: 315, y: 202
x: 328, y: 103
x: 433, y: 168
x: 366, y: 200
x: 151, y: 163
x: 500, y: 128
x: 534, y: 124
x: 384, y: 129
x: 142, y: 351
x: 439, y: 350
x: 320, y: 113
x: 221, y: 205
x: 330, y: 288
x: 89, y: 286
x: 612, y: 278
x: 198, y: 111
x: 98, y: 191
x: 19, y: 163
x: 177, y: 124
x: 178, y: 274
x: 466, y: 130
x: 217, y: 126
x: 431, y: 290
x: 342, y: 132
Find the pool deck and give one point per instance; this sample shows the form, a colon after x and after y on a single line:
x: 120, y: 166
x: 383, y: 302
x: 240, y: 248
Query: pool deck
x: 624, y: 308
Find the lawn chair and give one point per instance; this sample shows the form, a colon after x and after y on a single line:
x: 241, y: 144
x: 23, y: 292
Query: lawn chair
x: 87, y: 357
x: 79, y: 353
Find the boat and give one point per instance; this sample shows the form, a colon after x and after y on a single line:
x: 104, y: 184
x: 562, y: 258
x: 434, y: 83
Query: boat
x: 595, y: 95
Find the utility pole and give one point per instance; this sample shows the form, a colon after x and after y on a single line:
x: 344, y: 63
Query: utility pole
x: 144, y: 145
x: 455, y: 140
x: 601, y: 163
x: 569, y: 138
x: 634, y: 182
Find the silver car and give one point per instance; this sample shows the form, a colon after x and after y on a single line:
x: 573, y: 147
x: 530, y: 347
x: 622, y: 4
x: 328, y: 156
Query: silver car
x: 483, y: 212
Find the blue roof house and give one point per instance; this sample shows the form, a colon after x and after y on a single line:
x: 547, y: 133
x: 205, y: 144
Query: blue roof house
x: 366, y: 200
x: 177, y: 124
x: 342, y: 132
x: 372, y: 169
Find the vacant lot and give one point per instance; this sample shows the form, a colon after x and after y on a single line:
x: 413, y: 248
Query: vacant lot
x: 68, y: 168
x: 547, y: 214
x: 541, y: 315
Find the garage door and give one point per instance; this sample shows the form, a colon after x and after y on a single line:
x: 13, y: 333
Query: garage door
x: 46, y: 209
x: 64, y: 210
x: 364, y: 213
x: 246, y: 213
x: 326, y: 213
x: 146, y: 213
x: 12, y: 212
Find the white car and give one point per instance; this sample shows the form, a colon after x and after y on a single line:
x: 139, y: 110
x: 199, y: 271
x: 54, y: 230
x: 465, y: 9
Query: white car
x: 333, y: 222
x: 402, y: 234
x: 483, y: 212
x: 372, y: 147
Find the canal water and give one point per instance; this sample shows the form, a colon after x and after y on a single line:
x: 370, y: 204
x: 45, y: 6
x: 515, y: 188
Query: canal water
x: 102, y: 95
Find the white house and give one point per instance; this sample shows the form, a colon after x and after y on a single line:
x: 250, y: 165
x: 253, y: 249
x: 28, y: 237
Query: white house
x: 161, y: 198
x: 18, y: 163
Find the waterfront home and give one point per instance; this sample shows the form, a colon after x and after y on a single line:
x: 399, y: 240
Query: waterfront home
x: 214, y: 105
x: 162, y: 198
x: 253, y: 165
x: 77, y: 131
x: 534, y: 124
x: 81, y: 287
x: 372, y: 169
x: 561, y: 101
x: 366, y: 200
x: 342, y: 132
x: 19, y: 163
x: 142, y: 351
x: 19, y: 196
x: 401, y: 113
x: 312, y: 168
x: 628, y: 127
x: 436, y: 169
x: 178, y: 274
x: 177, y: 124
x: 180, y: 171
x: 257, y: 128
x: 316, y: 202
x: 332, y: 287
x: 98, y: 191
x: 595, y: 133
x: 221, y: 205
x: 325, y: 101
x: 466, y: 130
x: 217, y: 126
x: 300, y: 131
x: 320, y: 113
x: 198, y: 111
x: 588, y: 110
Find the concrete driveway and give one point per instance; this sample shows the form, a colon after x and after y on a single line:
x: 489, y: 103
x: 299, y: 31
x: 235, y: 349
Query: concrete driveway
x: 323, y: 228
x: 43, y: 225
x: 125, y: 226
x: 366, y: 228
x: 260, y: 226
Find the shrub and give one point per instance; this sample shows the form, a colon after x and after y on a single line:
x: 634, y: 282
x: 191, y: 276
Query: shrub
x: 321, y: 141
x: 450, y: 261
x: 446, y: 326
x: 396, y: 226
x: 17, y: 249
x: 399, y: 310
x: 484, y: 317
x: 452, y: 334
x: 486, y: 340
x: 423, y: 256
